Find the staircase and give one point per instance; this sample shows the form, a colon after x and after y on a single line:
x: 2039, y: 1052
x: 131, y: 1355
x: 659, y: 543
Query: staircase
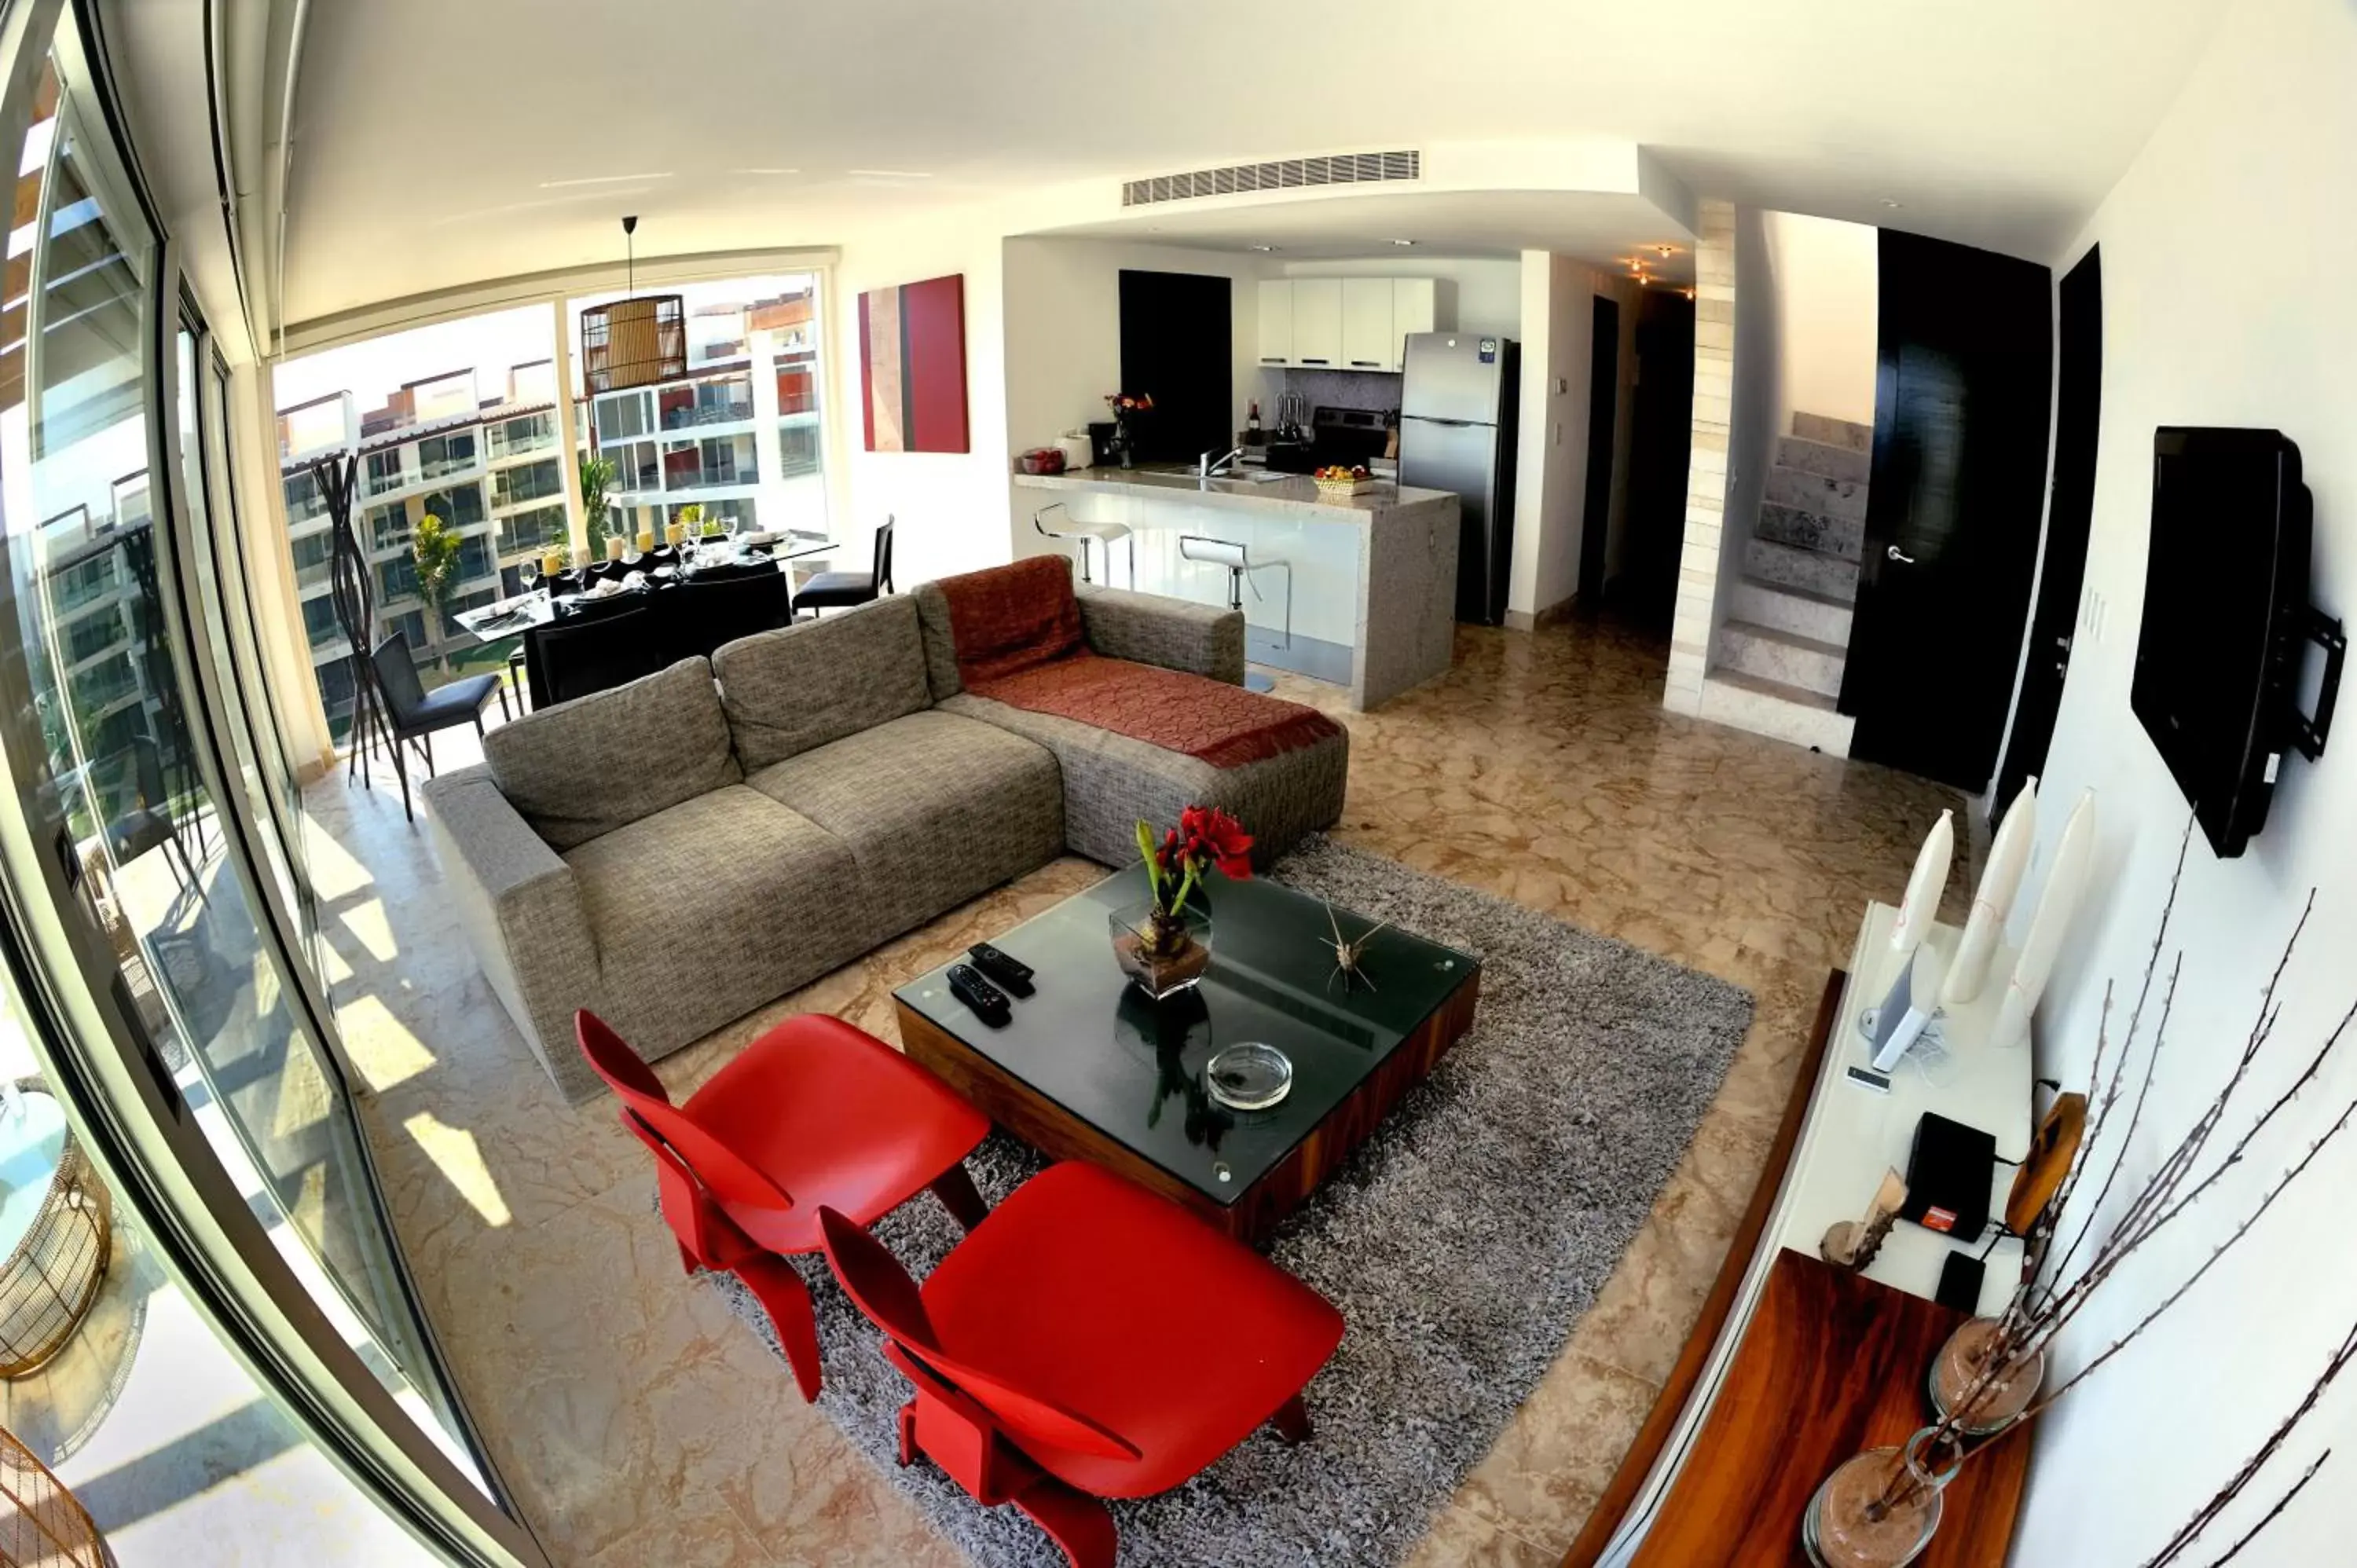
x: 1776, y: 663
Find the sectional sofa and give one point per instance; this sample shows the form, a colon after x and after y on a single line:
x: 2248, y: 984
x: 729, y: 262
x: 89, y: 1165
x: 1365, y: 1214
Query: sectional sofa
x: 678, y: 851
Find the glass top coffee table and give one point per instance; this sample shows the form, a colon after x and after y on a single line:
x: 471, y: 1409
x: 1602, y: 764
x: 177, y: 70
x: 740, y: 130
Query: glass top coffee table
x: 1089, y: 1068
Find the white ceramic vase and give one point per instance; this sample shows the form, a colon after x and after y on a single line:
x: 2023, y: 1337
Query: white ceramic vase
x: 1921, y: 904
x: 1993, y: 900
x: 2057, y: 902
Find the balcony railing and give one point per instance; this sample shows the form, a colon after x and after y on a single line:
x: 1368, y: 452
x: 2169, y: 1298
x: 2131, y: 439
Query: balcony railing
x: 708, y: 413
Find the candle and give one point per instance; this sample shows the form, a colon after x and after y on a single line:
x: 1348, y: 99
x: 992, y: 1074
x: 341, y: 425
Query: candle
x: 2057, y: 902
x: 552, y: 564
x: 673, y: 534
x: 580, y: 556
x: 1993, y: 900
x: 646, y: 539
x: 1922, y: 902
x: 615, y: 546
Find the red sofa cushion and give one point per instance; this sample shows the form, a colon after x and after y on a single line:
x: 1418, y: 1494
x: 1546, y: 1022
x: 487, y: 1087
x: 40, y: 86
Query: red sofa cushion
x: 1224, y: 725
x: 1007, y: 619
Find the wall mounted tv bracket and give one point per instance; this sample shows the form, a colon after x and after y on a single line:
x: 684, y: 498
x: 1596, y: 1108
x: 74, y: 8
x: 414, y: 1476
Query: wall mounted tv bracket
x: 2309, y: 734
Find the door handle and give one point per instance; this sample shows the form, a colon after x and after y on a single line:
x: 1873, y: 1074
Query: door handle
x: 1897, y: 556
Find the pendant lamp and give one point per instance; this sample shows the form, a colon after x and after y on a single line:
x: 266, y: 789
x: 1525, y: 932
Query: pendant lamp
x: 633, y: 342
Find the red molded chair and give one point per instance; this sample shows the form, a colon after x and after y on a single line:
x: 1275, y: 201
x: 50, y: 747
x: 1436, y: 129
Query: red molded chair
x: 814, y: 1112
x: 1071, y: 1348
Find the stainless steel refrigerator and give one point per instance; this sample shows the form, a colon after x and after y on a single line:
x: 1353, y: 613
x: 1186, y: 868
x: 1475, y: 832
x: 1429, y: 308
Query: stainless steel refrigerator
x: 1459, y: 402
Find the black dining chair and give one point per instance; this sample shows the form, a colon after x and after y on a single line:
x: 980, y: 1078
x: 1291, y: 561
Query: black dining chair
x: 841, y: 590
x: 414, y: 714
x: 586, y: 652
x: 707, y: 611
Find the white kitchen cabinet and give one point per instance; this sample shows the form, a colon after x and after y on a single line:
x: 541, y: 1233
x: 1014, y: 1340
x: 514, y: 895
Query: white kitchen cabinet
x: 1369, y: 341
x: 1277, y: 321
x: 1415, y: 307
x: 1316, y: 322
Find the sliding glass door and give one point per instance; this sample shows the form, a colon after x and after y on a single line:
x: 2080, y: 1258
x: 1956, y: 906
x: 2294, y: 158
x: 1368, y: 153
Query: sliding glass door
x: 158, y: 913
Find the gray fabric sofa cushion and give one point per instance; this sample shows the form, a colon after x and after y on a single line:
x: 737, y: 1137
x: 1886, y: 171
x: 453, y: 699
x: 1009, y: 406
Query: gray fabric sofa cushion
x: 1176, y: 634
x: 581, y: 769
x: 789, y: 690
x: 710, y: 909
x: 935, y: 809
x: 941, y: 643
x: 1112, y: 782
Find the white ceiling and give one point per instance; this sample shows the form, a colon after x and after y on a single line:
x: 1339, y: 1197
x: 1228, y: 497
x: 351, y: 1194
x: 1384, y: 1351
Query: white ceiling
x: 440, y: 141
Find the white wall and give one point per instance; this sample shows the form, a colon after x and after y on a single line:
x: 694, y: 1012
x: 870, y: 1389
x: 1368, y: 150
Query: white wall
x: 1489, y: 289
x: 2225, y: 248
x: 1825, y: 273
x: 949, y: 506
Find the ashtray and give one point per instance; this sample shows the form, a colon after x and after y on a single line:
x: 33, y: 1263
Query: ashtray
x: 1249, y: 1076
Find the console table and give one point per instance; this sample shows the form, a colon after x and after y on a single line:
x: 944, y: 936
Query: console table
x: 1835, y: 1142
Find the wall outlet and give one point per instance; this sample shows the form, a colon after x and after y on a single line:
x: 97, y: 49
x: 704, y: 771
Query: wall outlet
x: 1562, y: 385
x: 1558, y: 431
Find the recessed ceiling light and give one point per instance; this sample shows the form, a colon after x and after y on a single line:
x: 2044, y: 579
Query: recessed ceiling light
x: 1894, y: 205
x: 1260, y: 247
x: 1402, y: 241
x: 1665, y: 252
x: 892, y: 172
x: 600, y: 180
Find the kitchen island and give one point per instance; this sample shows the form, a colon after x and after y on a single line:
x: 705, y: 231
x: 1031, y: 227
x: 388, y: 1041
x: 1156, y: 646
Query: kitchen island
x: 1374, y: 574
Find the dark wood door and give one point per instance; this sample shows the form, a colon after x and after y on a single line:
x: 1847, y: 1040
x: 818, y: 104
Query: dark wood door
x: 1953, y: 507
x: 1603, y: 416
x: 1660, y: 447
x: 1177, y: 346
x: 2070, y: 513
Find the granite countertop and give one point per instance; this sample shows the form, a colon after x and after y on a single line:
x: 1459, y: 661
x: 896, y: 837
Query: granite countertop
x: 1293, y: 494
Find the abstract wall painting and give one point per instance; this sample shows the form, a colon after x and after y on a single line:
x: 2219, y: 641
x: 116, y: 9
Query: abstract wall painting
x: 913, y: 366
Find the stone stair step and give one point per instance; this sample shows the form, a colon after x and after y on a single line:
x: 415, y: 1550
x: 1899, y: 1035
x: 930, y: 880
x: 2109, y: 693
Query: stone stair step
x: 1807, y: 569
x: 1833, y: 432
x: 1781, y: 656
x: 1817, y: 457
x: 1776, y: 710
x: 1814, y: 492
x: 1844, y: 537
x: 1819, y: 616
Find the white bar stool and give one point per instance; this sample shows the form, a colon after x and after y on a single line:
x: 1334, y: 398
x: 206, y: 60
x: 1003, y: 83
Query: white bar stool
x: 1231, y: 554
x: 1104, y: 533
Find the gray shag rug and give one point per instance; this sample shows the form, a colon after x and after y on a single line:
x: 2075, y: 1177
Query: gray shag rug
x: 1461, y: 1242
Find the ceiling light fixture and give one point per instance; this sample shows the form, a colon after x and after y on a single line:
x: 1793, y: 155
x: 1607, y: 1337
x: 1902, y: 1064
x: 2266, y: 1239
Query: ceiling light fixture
x: 634, y: 341
x: 1402, y: 241
x: 1262, y: 248
x: 1689, y: 292
x: 890, y: 173
x: 1894, y: 205
x: 1665, y: 252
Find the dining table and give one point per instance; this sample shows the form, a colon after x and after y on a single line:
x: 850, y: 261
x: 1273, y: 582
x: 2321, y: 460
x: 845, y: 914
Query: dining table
x: 547, y: 604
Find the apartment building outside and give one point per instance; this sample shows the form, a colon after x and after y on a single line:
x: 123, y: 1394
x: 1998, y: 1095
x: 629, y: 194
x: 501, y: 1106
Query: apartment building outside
x: 490, y: 467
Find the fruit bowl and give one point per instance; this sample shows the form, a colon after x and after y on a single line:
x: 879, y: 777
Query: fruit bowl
x: 1337, y: 480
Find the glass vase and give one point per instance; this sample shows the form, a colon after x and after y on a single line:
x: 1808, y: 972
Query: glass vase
x: 1161, y: 952
x: 1881, y: 1509
x: 1964, y: 1362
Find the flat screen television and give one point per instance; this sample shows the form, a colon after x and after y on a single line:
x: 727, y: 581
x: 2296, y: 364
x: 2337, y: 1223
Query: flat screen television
x: 2225, y: 613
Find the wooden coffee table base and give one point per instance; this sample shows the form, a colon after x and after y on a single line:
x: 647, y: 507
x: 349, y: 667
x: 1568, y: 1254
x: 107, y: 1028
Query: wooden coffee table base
x: 1048, y: 1127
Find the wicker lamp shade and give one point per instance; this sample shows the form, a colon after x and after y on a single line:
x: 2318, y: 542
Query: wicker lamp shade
x: 40, y: 1522
x: 634, y: 342
x: 48, y: 1283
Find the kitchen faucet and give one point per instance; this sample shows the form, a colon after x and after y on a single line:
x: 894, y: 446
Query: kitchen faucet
x: 1208, y: 466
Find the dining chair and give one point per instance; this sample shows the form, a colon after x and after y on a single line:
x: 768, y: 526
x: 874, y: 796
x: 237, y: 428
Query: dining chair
x: 706, y: 612
x: 841, y: 590
x: 1087, y: 1340
x: 814, y: 1116
x: 415, y: 715
x: 594, y: 648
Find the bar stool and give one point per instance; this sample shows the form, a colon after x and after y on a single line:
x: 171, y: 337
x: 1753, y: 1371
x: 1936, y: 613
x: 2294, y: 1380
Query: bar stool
x: 1105, y: 534
x: 1231, y: 554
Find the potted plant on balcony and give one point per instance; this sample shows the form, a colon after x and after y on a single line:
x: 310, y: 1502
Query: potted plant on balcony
x: 1162, y: 942
x: 435, y: 550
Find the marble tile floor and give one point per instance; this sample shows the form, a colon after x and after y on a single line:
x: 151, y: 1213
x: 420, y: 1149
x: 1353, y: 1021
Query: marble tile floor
x: 636, y: 1420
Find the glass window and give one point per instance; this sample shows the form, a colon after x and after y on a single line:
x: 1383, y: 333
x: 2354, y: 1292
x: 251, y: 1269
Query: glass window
x: 516, y: 437
x: 460, y: 507
x: 385, y: 472
x: 396, y: 579
x: 530, y: 532
x: 388, y: 526
x: 526, y: 482
x: 305, y: 499
x: 441, y: 454
x: 620, y: 415
x: 319, y: 620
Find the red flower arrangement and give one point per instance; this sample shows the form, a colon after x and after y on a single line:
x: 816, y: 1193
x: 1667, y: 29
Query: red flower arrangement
x: 1205, y: 837
x: 1129, y: 403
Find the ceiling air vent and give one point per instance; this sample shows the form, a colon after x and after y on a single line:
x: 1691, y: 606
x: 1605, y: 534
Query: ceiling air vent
x: 1286, y: 174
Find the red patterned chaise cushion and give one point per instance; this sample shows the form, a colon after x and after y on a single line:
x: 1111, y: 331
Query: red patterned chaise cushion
x: 1019, y: 641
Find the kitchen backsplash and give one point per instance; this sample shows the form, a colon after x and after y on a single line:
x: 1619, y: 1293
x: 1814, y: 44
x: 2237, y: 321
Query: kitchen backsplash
x: 1333, y: 389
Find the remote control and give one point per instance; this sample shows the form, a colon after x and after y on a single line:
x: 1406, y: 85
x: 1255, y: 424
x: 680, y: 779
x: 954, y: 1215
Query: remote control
x: 989, y: 1002
x: 1010, y: 973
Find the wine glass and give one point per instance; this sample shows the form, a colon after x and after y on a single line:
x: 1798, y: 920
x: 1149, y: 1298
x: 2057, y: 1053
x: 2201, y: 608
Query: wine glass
x: 729, y: 531
x: 528, y: 573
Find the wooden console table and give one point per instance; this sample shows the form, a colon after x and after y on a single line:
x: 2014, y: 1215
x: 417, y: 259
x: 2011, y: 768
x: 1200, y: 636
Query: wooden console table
x: 1835, y: 1142
x: 1832, y: 1365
